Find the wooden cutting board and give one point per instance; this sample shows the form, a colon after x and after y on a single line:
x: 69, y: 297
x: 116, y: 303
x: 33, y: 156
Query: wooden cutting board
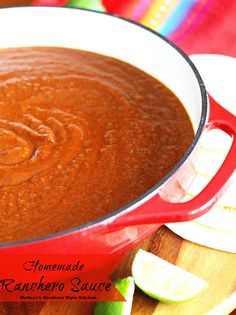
x: 217, y: 268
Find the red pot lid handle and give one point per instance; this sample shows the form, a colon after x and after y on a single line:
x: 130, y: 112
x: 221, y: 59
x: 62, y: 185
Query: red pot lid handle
x: 156, y: 210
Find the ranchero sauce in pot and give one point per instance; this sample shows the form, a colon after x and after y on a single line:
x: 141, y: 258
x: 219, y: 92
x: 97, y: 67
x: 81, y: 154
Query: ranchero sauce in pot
x: 81, y: 135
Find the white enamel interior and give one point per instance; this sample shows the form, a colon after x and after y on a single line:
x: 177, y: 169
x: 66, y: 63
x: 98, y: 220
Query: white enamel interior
x: 48, y: 26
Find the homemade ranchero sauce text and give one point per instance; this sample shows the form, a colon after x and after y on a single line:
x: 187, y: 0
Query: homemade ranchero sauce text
x: 81, y: 135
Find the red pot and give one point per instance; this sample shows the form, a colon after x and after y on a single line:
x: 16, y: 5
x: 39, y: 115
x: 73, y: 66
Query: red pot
x: 116, y: 233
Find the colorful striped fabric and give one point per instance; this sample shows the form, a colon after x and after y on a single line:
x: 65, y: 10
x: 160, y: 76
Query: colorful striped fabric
x: 165, y: 16
x: 197, y: 26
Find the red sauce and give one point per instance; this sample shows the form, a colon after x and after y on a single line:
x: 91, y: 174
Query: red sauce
x: 81, y: 135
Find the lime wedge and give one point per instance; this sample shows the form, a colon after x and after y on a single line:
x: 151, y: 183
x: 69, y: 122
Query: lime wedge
x: 126, y: 288
x: 164, y: 281
x: 91, y: 4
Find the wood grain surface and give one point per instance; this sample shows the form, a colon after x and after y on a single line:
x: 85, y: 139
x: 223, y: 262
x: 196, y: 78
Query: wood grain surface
x: 217, y: 268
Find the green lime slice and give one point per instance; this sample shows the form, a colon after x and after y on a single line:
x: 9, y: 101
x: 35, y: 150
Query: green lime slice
x: 164, y: 281
x: 126, y: 288
x: 91, y: 4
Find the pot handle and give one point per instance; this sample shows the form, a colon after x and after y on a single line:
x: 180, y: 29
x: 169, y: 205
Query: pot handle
x: 156, y: 210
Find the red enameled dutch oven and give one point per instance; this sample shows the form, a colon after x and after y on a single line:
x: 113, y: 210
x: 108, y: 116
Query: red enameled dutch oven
x: 115, y: 233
